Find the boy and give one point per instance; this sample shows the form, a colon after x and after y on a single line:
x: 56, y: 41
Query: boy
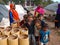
x: 24, y: 20
x: 44, y: 35
x: 30, y: 25
x: 40, y: 18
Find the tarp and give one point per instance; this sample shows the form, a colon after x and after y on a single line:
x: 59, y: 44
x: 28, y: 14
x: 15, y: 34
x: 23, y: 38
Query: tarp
x: 19, y: 9
x: 52, y: 7
x: 4, y: 12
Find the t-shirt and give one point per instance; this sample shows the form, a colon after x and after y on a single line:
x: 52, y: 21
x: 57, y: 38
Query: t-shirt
x: 30, y: 27
x: 42, y: 23
x: 36, y: 31
x: 44, y: 36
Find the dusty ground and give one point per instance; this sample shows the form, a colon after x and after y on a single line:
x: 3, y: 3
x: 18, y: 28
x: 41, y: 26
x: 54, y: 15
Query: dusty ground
x: 55, y: 35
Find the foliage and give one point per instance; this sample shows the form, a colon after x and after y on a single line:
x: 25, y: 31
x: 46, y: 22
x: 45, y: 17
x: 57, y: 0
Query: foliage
x: 22, y: 1
x: 5, y: 1
x: 36, y: 2
x: 41, y: 2
x: 16, y: 1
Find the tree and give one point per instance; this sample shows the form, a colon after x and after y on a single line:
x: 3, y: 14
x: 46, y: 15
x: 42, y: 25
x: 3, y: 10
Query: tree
x: 5, y: 1
x: 16, y: 1
x: 22, y: 2
x: 2, y: 1
x: 45, y: 3
x: 37, y: 2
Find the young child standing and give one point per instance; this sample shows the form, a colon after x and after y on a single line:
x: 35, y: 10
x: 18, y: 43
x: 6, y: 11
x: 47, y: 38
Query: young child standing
x: 44, y: 35
x: 30, y: 25
x: 40, y: 18
x: 37, y: 28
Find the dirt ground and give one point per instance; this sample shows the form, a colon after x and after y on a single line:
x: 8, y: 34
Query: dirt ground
x: 55, y: 34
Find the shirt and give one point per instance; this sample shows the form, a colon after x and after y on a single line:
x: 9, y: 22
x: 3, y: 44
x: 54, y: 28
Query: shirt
x: 42, y: 23
x: 36, y: 31
x: 58, y: 11
x: 44, y: 36
x: 30, y: 27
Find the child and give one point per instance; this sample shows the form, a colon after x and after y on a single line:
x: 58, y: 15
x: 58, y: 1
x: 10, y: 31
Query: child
x: 37, y: 28
x: 30, y: 25
x: 44, y: 35
x: 40, y: 18
x: 24, y: 20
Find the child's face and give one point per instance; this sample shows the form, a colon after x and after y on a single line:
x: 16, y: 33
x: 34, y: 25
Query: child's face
x: 40, y: 18
x: 34, y: 18
x: 30, y: 18
x: 25, y: 18
x: 38, y: 26
x: 45, y: 28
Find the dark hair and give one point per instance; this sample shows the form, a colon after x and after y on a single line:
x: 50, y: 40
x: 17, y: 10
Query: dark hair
x: 39, y: 15
x: 34, y: 17
x: 30, y: 16
x: 45, y: 25
x: 25, y: 16
x: 23, y: 26
x: 37, y: 21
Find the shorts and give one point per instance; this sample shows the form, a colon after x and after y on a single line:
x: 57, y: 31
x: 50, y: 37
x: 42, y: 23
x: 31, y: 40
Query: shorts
x: 37, y: 38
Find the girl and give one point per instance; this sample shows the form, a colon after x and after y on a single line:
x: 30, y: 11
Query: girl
x: 37, y: 28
